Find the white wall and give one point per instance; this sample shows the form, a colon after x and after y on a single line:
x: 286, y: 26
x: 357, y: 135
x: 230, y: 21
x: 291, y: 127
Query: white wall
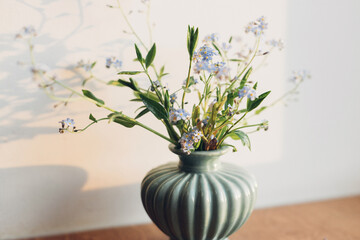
x: 51, y: 183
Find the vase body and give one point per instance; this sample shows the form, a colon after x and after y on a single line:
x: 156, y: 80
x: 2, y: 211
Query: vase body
x: 198, y: 198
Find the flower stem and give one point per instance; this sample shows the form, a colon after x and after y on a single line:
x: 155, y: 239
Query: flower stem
x: 130, y: 26
x: 253, y: 125
x: 227, y: 131
x: 155, y: 132
x: 98, y: 120
x: 285, y: 95
x: 187, y: 85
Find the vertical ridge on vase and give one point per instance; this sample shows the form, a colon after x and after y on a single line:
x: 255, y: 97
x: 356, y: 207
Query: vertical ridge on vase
x: 191, y: 201
x: 219, y: 199
x: 148, y: 192
x: 153, y: 185
x: 241, y: 204
x: 233, y: 212
x: 187, y: 206
x: 203, y: 208
x: 172, y: 206
x: 160, y: 200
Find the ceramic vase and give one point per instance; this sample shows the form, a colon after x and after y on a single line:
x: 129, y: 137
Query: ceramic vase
x: 199, y: 197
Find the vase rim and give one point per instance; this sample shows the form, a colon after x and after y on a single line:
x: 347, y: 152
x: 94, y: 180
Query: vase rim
x: 214, y: 153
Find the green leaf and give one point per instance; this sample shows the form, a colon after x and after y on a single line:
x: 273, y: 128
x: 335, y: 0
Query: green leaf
x: 235, y: 60
x: 149, y: 94
x: 229, y: 145
x: 125, y: 122
x: 90, y: 95
x: 156, y: 108
x: 167, y: 100
x: 188, y: 39
x: 162, y: 69
x: 213, y: 114
x: 120, y: 119
x: 255, y: 85
x: 132, y: 84
x: 115, y: 83
x: 251, y: 105
x: 92, y: 118
x: 231, y: 38
x: 150, y: 56
x: 245, y: 78
x: 240, y: 135
x: 93, y: 65
x: 191, y: 81
x: 142, y: 113
x: 230, y: 99
x: 195, y: 115
x: 192, y: 38
x: 129, y: 72
x: 141, y: 107
x: 138, y: 54
x: 217, y: 49
x: 187, y: 90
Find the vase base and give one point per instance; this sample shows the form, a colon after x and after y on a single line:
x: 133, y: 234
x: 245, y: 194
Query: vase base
x: 219, y: 239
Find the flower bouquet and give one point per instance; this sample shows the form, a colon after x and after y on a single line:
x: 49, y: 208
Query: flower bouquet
x: 221, y: 81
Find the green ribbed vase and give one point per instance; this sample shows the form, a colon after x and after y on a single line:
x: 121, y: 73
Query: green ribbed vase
x: 198, y: 198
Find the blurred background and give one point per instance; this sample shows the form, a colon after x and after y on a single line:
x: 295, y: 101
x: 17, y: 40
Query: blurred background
x: 52, y: 183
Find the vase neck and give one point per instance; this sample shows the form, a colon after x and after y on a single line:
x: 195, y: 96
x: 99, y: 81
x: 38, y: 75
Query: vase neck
x: 199, y: 163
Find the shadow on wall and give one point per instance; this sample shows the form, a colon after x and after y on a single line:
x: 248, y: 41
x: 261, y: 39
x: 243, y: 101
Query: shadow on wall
x: 46, y: 200
x: 21, y: 103
x: 19, y: 106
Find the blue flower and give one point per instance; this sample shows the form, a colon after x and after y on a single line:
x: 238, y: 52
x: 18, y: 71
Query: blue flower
x: 226, y: 46
x: 156, y: 85
x: 173, y: 98
x: 69, y: 122
x: 188, y: 139
x: 220, y: 70
x: 206, y: 53
x: 108, y: 62
x: 201, y: 66
x: 196, y: 57
x: 66, y: 124
x: 299, y: 76
x: 248, y: 92
x: 211, y: 38
x: 244, y: 91
x: 87, y: 66
x: 257, y: 27
x: 117, y: 63
x: 177, y: 115
x: 264, y: 125
x: 252, y: 94
x: 184, y: 115
x: 276, y: 43
x: 113, y: 61
x: 26, y: 32
x: 173, y: 116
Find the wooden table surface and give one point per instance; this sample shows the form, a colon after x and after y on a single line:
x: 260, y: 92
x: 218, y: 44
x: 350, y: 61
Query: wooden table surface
x: 337, y: 219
